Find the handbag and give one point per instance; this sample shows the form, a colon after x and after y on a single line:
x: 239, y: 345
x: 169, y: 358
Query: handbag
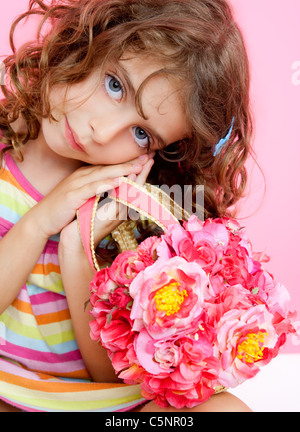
x: 186, y: 314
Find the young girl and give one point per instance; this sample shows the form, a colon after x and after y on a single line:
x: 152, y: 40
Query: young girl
x: 141, y: 88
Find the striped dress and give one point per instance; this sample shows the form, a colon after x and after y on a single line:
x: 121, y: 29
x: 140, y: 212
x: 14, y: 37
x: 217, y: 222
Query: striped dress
x: 41, y: 368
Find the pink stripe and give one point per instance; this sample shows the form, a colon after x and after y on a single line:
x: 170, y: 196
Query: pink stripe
x: 35, y: 194
x: 44, y: 303
x: 52, y: 307
x: 49, y: 258
x: 6, y: 225
x: 51, y: 247
x: 52, y: 368
x: 13, y: 369
x: 19, y: 371
x: 23, y: 295
x: 46, y: 297
x: 44, y: 357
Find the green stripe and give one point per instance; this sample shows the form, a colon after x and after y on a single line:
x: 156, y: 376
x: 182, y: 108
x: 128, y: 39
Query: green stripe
x: 16, y: 206
x: 60, y: 404
x: 37, y: 333
x: 44, y: 281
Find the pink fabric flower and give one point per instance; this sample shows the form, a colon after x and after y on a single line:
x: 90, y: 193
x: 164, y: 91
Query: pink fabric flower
x: 101, y: 286
x: 116, y: 334
x: 156, y: 357
x: 147, y: 250
x: 120, y: 297
x: 274, y: 294
x: 214, y: 232
x: 125, y: 267
x: 190, y: 381
x: 246, y: 340
x: 168, y: 296
x: 123, y: 359
x: 206, y: 255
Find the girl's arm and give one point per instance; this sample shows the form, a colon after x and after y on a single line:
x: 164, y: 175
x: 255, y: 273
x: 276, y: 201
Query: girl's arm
x: 77, y: 274
x: 20, y: 250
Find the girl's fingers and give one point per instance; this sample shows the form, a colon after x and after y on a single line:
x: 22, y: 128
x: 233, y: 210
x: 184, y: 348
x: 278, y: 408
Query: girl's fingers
x: 134, y: 166
x: 92, y: 174
x: 110, y: 213
x: 96, y: 183
x: 142, y: 176
x: 90, y: 190
x: 103, y: 173
x: 132, y: 177
x: 107, y: 186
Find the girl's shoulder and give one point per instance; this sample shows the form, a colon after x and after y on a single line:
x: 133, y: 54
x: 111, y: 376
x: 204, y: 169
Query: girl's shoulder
x: 221, y: 402
x: 224, y: 402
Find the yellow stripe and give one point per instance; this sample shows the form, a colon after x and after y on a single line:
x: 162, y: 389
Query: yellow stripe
x: 20, y: 329
x: 10, y: 202
x: 25, y: 325
x: 18, y: 318
x: 73, y: 401
x: 51, y: 282
x: 18, y: 194
x: 58, y: 338
x: 50, y: 330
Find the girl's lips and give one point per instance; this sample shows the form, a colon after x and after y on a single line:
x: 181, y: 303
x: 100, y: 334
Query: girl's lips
x: 71, y: 139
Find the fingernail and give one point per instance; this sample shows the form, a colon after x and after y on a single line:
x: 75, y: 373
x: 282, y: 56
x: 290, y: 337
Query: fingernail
x: 137, y: 167
x: 132, y: 177
x: 143, y: 157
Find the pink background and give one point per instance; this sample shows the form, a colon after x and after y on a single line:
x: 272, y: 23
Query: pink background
x: 272, y: 33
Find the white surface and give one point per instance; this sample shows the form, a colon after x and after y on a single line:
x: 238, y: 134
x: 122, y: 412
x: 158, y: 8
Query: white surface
x: 276, y: 388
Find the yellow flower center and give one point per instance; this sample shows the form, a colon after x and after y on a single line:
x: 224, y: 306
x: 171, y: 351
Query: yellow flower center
x: 251, y: 349
x: 169, y: 298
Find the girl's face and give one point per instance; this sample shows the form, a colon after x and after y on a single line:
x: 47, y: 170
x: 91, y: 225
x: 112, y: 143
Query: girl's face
x: 99, y: 123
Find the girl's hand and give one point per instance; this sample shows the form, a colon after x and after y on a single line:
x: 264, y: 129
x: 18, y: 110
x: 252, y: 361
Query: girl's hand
x: 58, y: 209
x: 108, y: 217
x: 111, y: 214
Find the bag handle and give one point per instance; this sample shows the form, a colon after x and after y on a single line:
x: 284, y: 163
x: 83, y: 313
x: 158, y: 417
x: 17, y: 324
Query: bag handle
x: 150, y: 201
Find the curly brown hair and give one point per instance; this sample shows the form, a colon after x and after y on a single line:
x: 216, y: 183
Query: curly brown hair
x: 197, y: 40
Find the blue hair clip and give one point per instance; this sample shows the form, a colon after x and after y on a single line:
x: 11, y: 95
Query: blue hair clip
x: 223, y: 141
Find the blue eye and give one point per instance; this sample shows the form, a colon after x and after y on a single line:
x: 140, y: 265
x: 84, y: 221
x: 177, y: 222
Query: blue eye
x: 113, y: 87
x: 141, y: 137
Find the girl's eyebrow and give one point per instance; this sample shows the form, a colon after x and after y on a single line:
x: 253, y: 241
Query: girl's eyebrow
x: 132, y: 92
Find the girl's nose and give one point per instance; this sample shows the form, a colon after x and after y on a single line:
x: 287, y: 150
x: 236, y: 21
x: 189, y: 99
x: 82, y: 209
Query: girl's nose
x: 111, y: 125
